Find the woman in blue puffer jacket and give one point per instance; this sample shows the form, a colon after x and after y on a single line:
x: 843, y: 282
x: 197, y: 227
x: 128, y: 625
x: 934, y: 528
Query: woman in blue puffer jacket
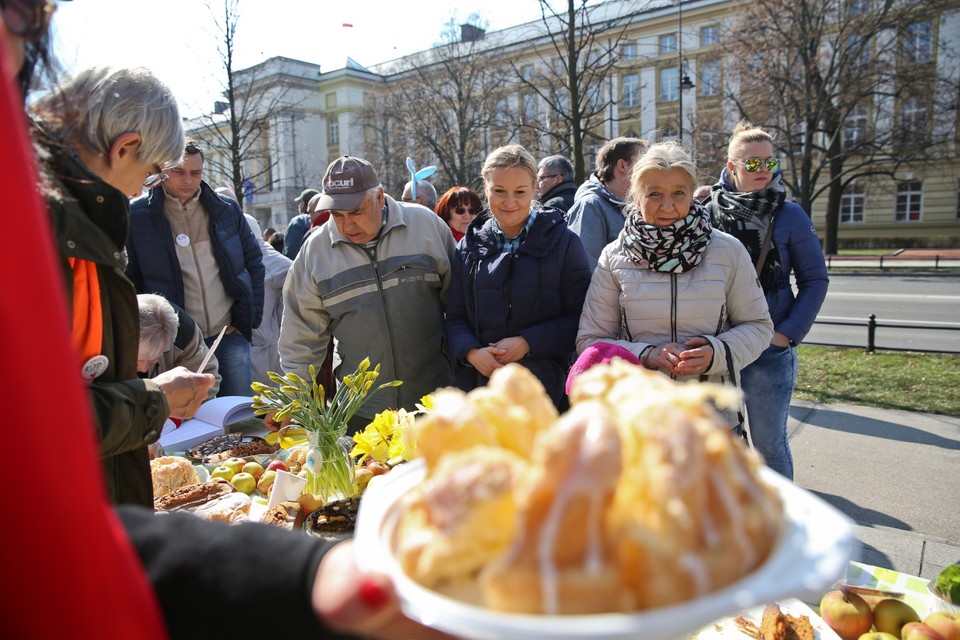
x: 519, y: 280
x: 749, y: 202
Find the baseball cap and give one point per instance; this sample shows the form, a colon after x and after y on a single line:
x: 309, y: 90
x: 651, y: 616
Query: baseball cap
x: 345, y: 183
x: 305, y: 195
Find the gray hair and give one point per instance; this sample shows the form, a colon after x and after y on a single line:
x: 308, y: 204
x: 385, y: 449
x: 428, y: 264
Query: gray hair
x: 558, y: 166
x: 425, y: 190
x: 664, y: 156
x: 98, y: 105
x: 159, y: 322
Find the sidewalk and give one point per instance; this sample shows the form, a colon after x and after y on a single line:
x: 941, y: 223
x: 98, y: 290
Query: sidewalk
x: 895, y: 473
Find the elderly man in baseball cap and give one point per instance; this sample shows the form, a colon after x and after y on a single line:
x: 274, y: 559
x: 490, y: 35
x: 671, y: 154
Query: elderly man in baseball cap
x: 376, y: 280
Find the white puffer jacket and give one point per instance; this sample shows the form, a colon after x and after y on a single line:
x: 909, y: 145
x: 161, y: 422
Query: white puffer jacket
x: 630, y: 306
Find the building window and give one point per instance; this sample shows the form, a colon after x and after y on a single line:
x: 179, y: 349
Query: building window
x: 913, y: 121
x: 668, y: 43
x: 526, y: 72
x: 333, y: 131
x: 709, y: 35
x: 859, y: 51
x: 918, y: 43
x: 908, y: 201
x: 529, y: 108
x: 631, y: 91
x: 855, y: 128
x: 710, y: 78
x: 852, y: 204
x: 858, y: 7
x: 500, y: 113
x: 630, y: 52
x: 668, y: 84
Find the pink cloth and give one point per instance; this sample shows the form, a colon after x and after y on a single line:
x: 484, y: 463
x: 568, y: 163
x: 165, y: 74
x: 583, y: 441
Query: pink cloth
x: 598, y: 353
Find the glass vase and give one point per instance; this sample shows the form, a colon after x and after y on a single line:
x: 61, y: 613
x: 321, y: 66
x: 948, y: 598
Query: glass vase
x: 329, y: 468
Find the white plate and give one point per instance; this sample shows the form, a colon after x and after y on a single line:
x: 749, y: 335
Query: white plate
x: 726, y: 628
x: 811, y: 555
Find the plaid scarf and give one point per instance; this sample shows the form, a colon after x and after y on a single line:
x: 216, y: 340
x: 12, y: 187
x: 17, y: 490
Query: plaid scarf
x: 509, y: 245
x: 675, y: 249
x: 746, y: 216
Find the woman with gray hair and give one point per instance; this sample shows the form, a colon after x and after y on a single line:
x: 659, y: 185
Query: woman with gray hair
x: 101, y: 137
x: 169, y: 339
x: 671, y: 290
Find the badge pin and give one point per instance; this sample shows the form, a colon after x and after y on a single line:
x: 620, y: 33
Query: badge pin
x: 94, y: 367
x: 183, y: 240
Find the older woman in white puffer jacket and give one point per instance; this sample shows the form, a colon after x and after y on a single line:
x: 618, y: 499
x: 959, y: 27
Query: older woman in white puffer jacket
x: 672, y: 290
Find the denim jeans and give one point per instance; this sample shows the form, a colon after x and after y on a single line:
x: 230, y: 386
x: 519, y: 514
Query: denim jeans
x: 767, y: 386
x: 233, y: 356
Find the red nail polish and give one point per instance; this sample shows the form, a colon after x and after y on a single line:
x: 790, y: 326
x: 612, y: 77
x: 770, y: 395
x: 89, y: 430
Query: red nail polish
x: 373, y: 594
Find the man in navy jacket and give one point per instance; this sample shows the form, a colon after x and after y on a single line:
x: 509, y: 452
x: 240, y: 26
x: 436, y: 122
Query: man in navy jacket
x: 195, y: 248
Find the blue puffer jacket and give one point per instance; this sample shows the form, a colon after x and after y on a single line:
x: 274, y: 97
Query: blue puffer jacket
x: 153, y: 266
x: 796, y: 241
x: 536, y: 292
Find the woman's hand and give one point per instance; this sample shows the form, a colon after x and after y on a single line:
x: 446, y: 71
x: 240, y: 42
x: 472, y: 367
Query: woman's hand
x: 185, y: 390
x: 362, y: 604
x: 780, y: 340
x: 270, y: 422
x: 666, y: 356
x: 514, y: 349
x: 696, y: 360
x: 485, y: 360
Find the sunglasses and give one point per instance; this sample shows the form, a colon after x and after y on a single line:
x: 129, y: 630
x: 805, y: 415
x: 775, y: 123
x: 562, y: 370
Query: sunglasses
x: 27, y: 19
x: 464, y: 211
x: 753, y: 164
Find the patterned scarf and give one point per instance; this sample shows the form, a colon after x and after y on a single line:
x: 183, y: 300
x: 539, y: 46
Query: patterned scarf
x: 746, y: 216
x: 509, y: 245
x: 675, y: 249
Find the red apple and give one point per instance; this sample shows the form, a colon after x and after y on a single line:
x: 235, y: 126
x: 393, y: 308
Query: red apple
x: 878, y: 635
x: 846, y: 613
x: 890, y: 614
x: 277, y: 465
x: 946, y: 623
x: 919, y: 631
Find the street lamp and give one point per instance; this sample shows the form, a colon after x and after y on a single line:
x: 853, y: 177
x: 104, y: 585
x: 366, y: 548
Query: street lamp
x: 683, y: 79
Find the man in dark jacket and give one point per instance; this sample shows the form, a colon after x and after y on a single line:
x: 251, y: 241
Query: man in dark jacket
x: 195, y: 248
x: 555, y: 185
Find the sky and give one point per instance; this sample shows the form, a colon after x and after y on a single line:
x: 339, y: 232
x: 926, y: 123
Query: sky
x: 177, y: 38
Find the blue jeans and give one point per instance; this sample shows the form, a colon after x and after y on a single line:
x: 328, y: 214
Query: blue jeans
x: 767, y: 386
x: 233, y: 356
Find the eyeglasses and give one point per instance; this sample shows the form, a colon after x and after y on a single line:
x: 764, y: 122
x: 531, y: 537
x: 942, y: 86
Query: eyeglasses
x: 464, y: 211
x: 542, y: 178
x: 753, y: 164
x: 155, y: 179
x: 27, y: 19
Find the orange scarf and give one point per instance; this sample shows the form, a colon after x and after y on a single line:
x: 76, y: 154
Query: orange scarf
x: 87, y: 310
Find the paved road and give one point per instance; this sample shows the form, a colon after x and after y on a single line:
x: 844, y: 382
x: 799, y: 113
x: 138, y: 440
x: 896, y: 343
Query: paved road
x: 895, y: 473
x: 927, y: 297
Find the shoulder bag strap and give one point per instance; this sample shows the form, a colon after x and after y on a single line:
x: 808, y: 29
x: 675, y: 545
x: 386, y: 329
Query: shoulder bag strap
x: 733, y: 380
x: 764, y: 248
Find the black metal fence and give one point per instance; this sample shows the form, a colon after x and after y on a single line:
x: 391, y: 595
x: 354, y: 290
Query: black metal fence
x: 872, y: 325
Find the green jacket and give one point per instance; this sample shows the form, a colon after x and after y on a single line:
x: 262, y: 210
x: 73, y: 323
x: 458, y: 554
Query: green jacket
x: 90, y: 220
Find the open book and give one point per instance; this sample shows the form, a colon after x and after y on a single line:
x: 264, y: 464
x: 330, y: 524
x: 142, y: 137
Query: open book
x: 213, y: 419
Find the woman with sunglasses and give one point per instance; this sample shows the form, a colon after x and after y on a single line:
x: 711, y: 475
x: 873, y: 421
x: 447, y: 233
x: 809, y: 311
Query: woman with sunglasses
x: 749, y: 202
x: 458, y: 207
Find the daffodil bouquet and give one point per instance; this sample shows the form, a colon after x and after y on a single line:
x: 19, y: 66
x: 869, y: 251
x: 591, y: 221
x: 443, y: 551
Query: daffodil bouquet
x: 329, y: 467
x: 388, y: 439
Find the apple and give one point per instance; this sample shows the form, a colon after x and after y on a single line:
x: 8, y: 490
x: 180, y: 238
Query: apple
x: 234, y: 463
x: 222, y: 471
x: 310, y: 502
x: 253, y: 468
x: 946, y: 623
x: 265, y: 483
x: 846, y: 613
x: 919, y: 631
x: 277, y: 465
x: 244, y: 482
x: 878, y: 635
x: 890, y: 614
x: 362, y: 478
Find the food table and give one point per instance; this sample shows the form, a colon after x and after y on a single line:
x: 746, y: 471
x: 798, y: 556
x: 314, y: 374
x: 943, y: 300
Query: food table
x: 914, y: 588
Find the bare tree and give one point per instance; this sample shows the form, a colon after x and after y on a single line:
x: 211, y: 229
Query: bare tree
x: 438, y: 107
x: 580, y: 57
x: 850, y: 88
x: 254, y: 98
